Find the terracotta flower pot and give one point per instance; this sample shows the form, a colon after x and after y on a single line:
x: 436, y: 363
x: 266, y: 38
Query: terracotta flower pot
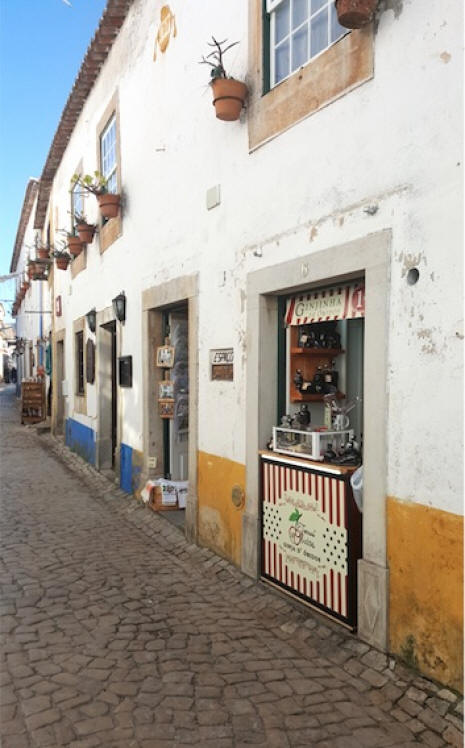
x: 75, y: 245
x: 42, y: 253
x: 109, y: 204
x: 353, y: 14
x: 229, y: 97
x: 86, y: 232
x: 62, y: 263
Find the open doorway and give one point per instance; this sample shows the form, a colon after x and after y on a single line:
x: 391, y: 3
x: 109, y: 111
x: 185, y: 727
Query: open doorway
x: 108, y: 432
x: 60, y: 375
x: 176, y: 427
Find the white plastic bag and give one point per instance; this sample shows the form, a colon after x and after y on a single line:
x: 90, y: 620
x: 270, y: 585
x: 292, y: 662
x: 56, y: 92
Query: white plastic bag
x: 356, y: 481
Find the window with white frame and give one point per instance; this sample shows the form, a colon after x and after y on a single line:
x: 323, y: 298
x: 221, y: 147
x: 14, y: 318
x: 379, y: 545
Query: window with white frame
x: 108, y: 160
x: 299, y: 30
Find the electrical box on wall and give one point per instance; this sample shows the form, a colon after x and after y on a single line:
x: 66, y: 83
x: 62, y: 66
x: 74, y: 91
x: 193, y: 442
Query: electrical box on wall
x: 152, y: 462
x: 125, y: 371
x: 213, y: 197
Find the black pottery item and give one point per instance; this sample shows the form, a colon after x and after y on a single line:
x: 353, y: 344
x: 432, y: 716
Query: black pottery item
x: 298, y: 379
x: 302, y: 416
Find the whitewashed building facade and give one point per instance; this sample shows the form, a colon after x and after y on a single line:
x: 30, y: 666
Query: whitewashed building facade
x: 346, y: 168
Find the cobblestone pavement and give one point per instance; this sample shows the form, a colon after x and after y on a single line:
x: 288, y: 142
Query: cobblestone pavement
x: 117, y: 632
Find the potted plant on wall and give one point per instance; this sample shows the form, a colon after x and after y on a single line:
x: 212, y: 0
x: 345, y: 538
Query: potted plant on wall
x: 353, y: 14
x: 62, y: 259
x: 229, y: 94
x: 109, y: 203
x: 42, y: 251
x: 74, y: 244
x: 85, y: 230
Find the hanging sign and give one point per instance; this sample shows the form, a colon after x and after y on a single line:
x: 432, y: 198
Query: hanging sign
x: 337, y: 302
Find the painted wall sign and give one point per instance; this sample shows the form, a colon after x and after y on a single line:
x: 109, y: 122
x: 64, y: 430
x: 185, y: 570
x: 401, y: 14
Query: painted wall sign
x: 338, y: 302
x: 166, y: 29
x: 222, y: 364
x: 306, y: 537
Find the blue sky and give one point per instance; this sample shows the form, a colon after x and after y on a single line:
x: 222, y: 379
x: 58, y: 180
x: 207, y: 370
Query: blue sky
x: 42, y: 44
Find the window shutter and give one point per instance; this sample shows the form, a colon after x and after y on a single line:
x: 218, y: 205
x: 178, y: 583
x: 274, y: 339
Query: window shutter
x: 90, y: 361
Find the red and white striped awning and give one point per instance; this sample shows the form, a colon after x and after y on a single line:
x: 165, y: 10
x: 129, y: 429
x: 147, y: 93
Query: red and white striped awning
x: 338, y: 302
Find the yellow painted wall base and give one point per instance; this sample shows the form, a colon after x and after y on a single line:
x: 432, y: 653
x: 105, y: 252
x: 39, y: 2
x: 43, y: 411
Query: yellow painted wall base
x: 425, y: 555
x: 220, y: 522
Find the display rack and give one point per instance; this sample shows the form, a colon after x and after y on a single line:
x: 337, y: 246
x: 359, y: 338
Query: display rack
x: 308, y: 360
x: 33, y: 405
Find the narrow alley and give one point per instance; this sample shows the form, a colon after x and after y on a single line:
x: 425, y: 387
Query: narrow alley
x: 117, y: 632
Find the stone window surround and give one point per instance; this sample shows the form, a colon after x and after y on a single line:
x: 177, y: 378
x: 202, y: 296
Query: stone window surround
x: 111, y: 230
x: 368, y: 257
x: 155, y: 301
x: 342, y: 67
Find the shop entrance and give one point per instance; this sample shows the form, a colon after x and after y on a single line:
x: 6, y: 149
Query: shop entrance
x: 311, y: 524
x: 176, y: 431
x: 172, y: 364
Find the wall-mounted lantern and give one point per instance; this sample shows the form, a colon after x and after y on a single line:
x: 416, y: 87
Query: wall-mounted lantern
x: 119, y: 306
x: 92, y: 319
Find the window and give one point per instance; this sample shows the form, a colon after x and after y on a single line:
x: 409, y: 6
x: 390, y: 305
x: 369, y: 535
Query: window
x: 300, y: 30
x: 79, y: 350
x: 77, y: 205
x: 108, y: 156
x: 300, y: 61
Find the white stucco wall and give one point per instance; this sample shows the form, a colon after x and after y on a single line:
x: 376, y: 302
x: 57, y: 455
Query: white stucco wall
x: 394, y: 143
x: 33, y: 320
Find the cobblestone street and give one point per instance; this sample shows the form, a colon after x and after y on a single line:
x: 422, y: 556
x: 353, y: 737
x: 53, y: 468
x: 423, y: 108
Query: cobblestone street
x: 117, y: 632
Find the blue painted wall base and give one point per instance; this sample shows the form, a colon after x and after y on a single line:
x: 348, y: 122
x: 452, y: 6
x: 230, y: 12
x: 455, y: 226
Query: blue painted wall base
x: 129, y: 469
x: 81, y: 439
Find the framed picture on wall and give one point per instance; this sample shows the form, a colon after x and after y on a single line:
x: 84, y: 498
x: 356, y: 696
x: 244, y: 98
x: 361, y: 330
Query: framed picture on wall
x: 166, y: 390
x: 165, y: 356
x: 166, y: 408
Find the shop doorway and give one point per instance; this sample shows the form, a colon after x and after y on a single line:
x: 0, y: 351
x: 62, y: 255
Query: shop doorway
x: 170, y: 311
x: 311, y: 523
x: 176, y: 426
x: 60, y: 375
x: 107, y: 396
x: 176, y: 437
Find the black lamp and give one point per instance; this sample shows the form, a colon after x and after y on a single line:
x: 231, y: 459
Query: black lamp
x: 92, y: 319
x: 119, y: 306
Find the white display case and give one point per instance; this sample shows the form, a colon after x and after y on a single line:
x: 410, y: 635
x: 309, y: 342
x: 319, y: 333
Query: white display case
x: 309, y: 444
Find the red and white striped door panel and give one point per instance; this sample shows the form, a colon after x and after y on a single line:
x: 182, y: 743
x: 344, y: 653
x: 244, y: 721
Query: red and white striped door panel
x: 305, y: 534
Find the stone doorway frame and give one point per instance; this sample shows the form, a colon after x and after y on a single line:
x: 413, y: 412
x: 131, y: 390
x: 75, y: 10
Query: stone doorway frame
x: 155, y: 301
x: 58, y: 337
x: 369, y: 257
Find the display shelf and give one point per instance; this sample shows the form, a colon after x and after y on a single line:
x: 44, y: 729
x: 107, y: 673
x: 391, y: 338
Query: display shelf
x: 333, y: 352
x: 299, y: 397
x: 308, y: 360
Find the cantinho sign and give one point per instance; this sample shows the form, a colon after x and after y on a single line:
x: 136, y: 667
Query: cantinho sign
x: 338, y: 302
